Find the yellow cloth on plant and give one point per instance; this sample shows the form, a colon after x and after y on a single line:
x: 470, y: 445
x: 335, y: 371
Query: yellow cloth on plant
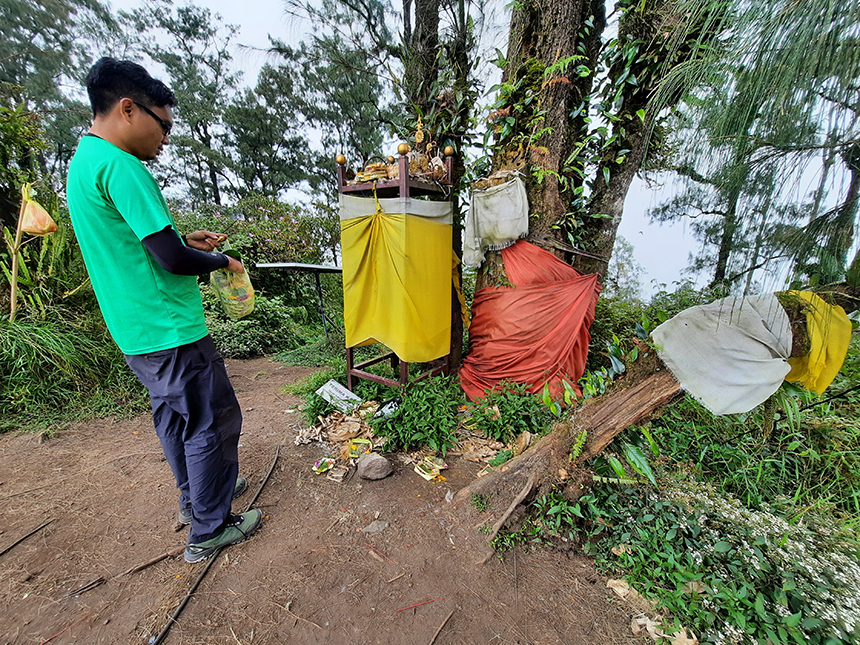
x: 397, y: 275
x: 829, y: 332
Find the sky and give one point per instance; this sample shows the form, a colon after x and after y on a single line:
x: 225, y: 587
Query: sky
x: 662, y: 250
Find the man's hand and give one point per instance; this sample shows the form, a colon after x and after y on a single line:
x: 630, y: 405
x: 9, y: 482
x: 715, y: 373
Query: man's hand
x: 235, y: 266
x: 205, y: 240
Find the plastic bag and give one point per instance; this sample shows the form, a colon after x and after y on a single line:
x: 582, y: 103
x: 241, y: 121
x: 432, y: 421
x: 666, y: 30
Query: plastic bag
x: 34, y: 219
x: 234, y: 290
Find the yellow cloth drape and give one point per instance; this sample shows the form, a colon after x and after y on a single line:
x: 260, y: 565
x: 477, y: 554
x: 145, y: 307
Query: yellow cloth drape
x: 829, y: 335
x: 397, y: 282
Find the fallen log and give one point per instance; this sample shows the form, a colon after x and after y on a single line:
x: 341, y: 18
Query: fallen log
x: 546, y: 463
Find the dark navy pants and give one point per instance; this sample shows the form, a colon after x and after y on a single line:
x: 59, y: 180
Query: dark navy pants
x: 198, y: 421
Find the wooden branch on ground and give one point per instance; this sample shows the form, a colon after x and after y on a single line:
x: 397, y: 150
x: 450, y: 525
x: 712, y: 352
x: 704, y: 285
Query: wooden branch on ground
x: 140, y: 567
x: 21, y: 539
x: 602, y: 419
x: 519, y: 498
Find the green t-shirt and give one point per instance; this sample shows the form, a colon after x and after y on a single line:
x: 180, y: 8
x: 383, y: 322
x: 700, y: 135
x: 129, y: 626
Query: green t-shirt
x: 115, y: 202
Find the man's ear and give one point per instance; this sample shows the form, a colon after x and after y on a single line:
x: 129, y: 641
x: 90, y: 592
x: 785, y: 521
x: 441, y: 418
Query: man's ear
x: 126, y: 108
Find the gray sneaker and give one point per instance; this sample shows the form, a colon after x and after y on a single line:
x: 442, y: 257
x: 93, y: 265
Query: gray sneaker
x: 239, y: 528
x: 184, y: 516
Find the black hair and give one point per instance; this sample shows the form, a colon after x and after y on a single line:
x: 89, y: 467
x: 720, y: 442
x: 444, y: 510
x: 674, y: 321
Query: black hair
x: 110, y: 80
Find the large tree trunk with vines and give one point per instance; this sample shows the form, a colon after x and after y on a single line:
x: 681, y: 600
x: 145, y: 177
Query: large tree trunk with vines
x: 544, y: 34
x: 641, y: 28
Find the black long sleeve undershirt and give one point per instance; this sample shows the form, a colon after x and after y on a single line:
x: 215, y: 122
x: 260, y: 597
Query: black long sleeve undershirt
x: 174, y: 257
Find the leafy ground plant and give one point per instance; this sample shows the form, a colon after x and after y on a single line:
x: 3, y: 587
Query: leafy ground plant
x: 508, y: 410
x: 481, y: 502
x: 731, y: 574
x: 427, y: 416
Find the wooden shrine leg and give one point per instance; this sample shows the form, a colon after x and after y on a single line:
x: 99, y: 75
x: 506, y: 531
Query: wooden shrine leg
x: 350, y: 363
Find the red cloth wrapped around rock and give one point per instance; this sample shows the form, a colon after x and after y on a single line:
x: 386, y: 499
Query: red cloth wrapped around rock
x: 535, y: 332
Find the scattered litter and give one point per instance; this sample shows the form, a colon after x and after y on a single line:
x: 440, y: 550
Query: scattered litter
x: 388, y: 408
x: 380, y: 552
x: 376, y: 526
x: 337, y: 473
x: 430, y: 467
x: 308, y: 435
x: 359, y: 446
x: 654, y: 629
x: 367, y: 409
x: 339, y: 396
x: 347, y: 428
x: 478, y: 449
x: 323, y: 465
x: 628, y: 593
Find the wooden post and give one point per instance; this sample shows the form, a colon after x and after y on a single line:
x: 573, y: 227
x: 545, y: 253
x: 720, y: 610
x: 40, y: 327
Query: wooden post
x: 13, y: 307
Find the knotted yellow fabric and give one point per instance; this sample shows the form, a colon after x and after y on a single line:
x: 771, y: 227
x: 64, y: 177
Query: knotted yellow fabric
x: 397, y: 275
x: 829, y: 335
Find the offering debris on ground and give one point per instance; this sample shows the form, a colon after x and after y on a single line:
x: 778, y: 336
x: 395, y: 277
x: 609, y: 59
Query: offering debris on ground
x: 430, y: 467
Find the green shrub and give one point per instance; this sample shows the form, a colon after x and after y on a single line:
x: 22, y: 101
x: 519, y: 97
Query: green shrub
x: 265, y: 230
x: 270, y: 328
x: 665, y: 304
x: 508, y: 410
x: 611, y: 317
x: 427, y: 416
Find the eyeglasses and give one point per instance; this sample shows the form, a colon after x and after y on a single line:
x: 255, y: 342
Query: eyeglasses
x: 165, y: 126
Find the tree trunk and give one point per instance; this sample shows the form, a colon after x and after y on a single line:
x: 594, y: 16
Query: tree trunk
x: 544, y: 33
x: 640, y: 28
x: 422, y: 48
x: 727, y: 240
x: 841, y: 235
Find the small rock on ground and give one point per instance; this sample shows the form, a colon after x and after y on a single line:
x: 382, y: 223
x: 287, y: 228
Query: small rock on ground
x: 376, y: 526
x: 373, y: 466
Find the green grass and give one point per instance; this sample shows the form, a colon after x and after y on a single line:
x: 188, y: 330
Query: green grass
x: 53, y: 372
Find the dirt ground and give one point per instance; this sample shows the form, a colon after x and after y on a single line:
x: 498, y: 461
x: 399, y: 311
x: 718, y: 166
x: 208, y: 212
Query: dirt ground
x: 312, y: 573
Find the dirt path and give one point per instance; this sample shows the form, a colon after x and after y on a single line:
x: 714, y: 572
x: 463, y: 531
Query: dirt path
x: 308, y: 576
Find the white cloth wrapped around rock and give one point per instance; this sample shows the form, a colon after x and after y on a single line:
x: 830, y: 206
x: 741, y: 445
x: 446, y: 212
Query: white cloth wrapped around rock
x: 498, y: 217
x: 731, y: 355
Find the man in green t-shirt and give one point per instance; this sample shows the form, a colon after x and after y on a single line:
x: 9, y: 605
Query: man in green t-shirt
x: 144, y: 277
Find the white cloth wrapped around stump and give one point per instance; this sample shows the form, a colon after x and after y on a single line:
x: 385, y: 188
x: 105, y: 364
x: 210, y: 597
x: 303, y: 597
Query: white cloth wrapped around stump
x: 731, y: 354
